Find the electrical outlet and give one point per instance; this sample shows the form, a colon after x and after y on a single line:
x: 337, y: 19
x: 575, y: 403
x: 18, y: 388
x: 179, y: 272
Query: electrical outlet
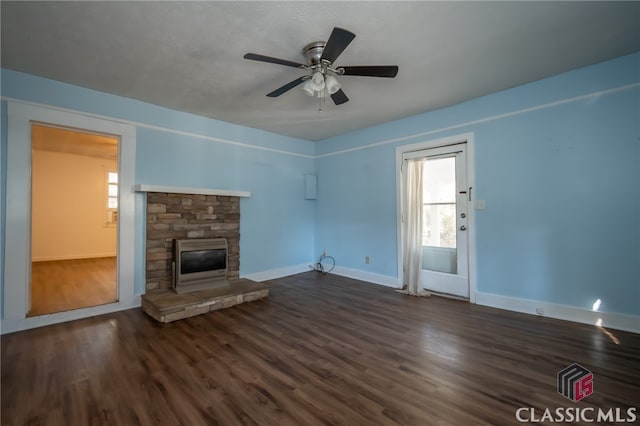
x: 367, y: 260
x: 539, y: 310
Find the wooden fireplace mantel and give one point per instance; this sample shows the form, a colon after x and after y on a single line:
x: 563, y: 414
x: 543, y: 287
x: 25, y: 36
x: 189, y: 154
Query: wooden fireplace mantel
x: 142, y: 187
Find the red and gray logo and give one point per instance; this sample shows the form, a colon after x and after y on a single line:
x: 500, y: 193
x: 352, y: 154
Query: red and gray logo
x: 575, y: 382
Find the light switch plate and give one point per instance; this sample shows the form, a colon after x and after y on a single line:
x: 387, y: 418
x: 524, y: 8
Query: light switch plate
x: 479, y: 204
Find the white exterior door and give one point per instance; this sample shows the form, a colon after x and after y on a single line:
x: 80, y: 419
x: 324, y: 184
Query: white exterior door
x: 445, y: 266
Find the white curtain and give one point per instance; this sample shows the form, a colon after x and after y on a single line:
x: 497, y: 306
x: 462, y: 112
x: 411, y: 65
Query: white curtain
x: 412, y: 229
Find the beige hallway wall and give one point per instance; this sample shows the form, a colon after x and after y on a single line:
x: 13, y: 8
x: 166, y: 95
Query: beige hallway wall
x: 69, y: 207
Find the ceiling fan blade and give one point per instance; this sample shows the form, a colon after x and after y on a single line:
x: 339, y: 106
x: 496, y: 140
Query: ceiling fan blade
x: 338, y: 41
x: 279, y: 91
x: 262, y: 58
x: 339, y: 97
x: 388, y: 71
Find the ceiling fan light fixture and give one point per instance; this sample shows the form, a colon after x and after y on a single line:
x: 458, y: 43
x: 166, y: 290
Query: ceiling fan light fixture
x: 317, y: 81
x: 331, y: 84
x: 321, y: 57
x: 307, y: 87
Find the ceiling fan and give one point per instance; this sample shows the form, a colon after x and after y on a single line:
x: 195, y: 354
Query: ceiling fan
x: 320, y: 57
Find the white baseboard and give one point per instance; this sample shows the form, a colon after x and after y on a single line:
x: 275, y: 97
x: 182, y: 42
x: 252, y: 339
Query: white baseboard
x: 77, y: 257
x: 272, y: 274
x: 338, y: 270
x: 563, y: 312
x: 371, y: 277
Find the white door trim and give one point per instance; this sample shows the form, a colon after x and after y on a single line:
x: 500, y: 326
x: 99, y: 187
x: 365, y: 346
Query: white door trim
x: 18, y: 213
x: 467, y: 138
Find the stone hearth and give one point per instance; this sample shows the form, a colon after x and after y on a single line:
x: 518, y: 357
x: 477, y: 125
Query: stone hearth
x: 165, y: 306
x: 192, y: 216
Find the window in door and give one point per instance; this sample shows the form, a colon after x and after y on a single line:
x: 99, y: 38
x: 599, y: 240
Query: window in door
x: 439, y: 215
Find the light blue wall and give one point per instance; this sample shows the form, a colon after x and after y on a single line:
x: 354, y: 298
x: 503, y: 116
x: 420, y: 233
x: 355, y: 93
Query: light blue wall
x: 277, y: 223
x: 176, y: 149
x: 356, y: 209
x: 561, y: 184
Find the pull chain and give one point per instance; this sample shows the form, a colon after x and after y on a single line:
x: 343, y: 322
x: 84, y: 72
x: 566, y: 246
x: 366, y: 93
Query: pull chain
x: 321, y: 99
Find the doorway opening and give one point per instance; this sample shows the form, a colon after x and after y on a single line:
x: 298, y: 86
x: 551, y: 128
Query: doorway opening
x: 74, y: 219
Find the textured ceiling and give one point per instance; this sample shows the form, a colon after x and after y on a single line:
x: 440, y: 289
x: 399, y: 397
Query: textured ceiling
x: 188, y: 55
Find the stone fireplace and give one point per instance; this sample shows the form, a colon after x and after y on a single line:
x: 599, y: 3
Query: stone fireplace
x: 175, y: 216
x: 192, y: 216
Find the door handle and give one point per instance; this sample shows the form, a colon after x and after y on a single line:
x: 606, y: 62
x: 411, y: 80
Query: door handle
x: 465, y: 192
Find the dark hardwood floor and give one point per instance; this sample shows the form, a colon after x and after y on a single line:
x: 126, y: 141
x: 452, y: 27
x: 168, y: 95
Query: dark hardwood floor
x: 319, y: 350
x: 63, y: 285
